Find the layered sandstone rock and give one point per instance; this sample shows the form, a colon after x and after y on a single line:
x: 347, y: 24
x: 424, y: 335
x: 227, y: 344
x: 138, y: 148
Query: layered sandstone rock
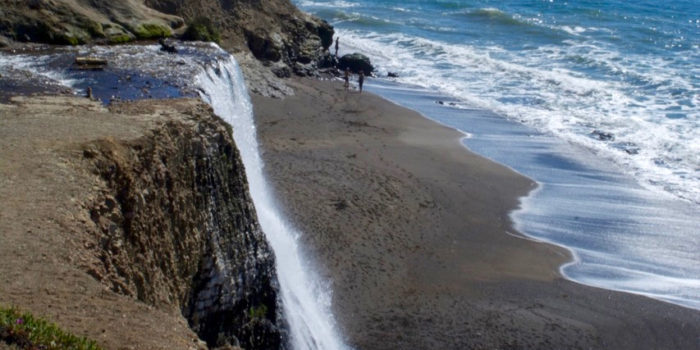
x: 139, y: 204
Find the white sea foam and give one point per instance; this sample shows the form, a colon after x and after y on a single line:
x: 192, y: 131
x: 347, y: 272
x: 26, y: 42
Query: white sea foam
x: 656, y: 137
x: 330, y: 4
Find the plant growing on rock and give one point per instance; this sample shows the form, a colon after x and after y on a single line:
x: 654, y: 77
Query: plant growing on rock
x: 151, y: 31
x: 28, y: 332
x: 258, y: 312
x: 202, y: 29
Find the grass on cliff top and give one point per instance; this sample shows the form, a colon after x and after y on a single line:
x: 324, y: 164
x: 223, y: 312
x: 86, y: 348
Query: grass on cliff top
x: 151, y: 31
x: 28, y: 332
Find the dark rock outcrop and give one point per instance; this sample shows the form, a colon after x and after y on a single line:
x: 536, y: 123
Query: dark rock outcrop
x: 281, y: 38
x: 356, y: 62
x: 328, y: 61
x: 177, y: 227
x: 272, y: 30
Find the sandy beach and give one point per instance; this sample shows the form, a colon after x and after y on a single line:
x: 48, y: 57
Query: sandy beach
x: 413, y: 235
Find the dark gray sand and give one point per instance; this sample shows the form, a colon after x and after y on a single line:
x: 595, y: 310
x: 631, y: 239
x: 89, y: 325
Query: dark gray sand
x: 412, y: 230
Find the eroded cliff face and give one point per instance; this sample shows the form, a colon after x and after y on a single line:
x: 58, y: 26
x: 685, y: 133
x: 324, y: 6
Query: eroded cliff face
x: 127, y: 223
x: 177, y: 226
x: 271, y: 39
x: 273, y: 30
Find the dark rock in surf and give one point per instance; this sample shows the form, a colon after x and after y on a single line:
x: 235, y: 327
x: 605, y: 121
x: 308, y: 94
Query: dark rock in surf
x: 392, y: 75
x: 356, y: 62
x: 602, y: 135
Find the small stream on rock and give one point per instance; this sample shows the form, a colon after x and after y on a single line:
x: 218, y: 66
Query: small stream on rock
x: 143, y: 71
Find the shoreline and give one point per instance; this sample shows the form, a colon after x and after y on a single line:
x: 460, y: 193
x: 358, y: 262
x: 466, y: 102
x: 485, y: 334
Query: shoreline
x: 550, y: 214
x: 397, y: 216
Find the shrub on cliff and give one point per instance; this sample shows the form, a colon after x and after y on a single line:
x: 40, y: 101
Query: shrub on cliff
x: 28, y: 332
x: 202, y: 29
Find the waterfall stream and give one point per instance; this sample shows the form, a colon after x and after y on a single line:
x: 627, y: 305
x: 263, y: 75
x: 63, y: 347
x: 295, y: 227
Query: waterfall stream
x: 305, y: 301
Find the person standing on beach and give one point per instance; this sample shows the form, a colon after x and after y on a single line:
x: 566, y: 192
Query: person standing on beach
x: 336, y: 46
x: 361, y: 79
x: 347, y: 78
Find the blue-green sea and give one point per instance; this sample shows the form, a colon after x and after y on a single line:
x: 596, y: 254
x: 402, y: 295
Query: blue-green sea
x: 629, y: 69
x: 597, y: 101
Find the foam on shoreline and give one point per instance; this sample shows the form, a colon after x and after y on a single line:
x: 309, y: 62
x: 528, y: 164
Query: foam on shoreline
x: 622, y: 236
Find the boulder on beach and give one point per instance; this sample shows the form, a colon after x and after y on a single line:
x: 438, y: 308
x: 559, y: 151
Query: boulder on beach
x: 356, y: 62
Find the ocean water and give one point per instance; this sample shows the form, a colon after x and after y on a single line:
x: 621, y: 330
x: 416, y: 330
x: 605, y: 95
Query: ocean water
x: 619, y: 77
x: 597, y: 101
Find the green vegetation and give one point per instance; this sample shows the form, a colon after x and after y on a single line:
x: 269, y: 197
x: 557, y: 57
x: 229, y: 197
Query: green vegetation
x: 202, y: 29
x: 66, y: 38
x: 258, y: 312
x: 119, y: 39
x: 151, y: 31
x: 28, y: 332
x: 95, y: 29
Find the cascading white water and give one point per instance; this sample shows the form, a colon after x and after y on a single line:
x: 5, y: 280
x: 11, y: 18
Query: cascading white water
x: 305, y: 302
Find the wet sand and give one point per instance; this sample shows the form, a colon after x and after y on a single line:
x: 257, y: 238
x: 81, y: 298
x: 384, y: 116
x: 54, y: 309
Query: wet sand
x: 412, y: 231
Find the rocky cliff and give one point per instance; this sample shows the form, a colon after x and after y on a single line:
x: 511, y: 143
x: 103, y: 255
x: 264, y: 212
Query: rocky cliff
x: 271, y: 39
x: 177, y: 226
x: 150, y: 199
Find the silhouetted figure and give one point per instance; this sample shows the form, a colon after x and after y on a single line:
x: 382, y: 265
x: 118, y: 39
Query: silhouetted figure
x: 347, y: 78
x: 336, y: 46
x: 89, y: 93
x: 361, y: 79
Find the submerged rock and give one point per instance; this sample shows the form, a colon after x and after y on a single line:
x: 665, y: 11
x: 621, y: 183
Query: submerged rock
x: 356, y: 62
x: 603, y: 135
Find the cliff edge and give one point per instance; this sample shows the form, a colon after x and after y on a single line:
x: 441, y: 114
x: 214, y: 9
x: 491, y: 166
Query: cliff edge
x: 271, y: 40
x: 132, y: 225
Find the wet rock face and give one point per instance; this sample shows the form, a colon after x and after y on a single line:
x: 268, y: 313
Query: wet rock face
x: 178, y: 228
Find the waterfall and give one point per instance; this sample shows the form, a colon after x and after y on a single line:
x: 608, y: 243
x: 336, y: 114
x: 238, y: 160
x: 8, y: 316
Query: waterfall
x: 305, y: 302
